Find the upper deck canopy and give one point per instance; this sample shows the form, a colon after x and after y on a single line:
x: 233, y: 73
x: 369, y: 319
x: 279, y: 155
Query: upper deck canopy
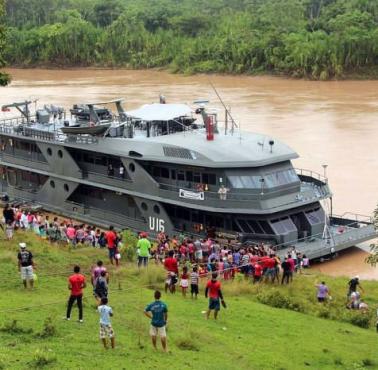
x: 160, y: 112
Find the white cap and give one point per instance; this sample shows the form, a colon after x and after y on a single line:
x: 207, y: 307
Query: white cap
x: 357, y: 277
x: 22, y: 245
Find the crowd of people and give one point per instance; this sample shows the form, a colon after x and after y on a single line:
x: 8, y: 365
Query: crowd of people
x: 186, y: 261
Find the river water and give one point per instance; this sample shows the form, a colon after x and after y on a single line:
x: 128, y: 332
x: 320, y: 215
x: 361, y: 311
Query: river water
x: 333, y: 123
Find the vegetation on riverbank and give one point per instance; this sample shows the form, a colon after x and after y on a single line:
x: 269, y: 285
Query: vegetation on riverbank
x: 4, y: 78
x: 300, y: 38
x: 249, y: 334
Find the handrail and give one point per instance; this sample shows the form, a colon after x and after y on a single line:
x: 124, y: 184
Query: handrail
x: 310, y: 173
x: 348, y: 229
x: 231, y: 196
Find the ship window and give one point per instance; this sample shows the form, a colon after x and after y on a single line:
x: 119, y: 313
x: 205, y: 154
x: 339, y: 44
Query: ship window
x: 196, y: 177
x: 189, y: 176
x: 165, y: 172
x: 49, y: 151
x: 245, y: 182
x: 173, y: 174
x: 52, y: 183
x: 209, y: 178
x: 102, y: 161
x: 132, y: 167
x: 181, y: 175
x: 60, y: 154
x: 156, y: 209
x: 144, y: 206
x: 156, y: 171
x: 183, y: 214
x: 66, y: 188
x: 88, y: 158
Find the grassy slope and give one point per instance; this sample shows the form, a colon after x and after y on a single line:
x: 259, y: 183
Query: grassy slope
x: 248, y: 335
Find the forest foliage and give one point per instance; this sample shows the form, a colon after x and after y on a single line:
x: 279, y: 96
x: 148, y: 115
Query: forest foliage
x: 319, y: 39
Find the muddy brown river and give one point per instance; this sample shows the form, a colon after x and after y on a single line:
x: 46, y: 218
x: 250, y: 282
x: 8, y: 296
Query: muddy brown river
x: 332, y: 123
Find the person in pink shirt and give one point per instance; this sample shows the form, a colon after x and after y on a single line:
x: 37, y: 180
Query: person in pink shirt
x: 291, y: 263
x: 71, y: 233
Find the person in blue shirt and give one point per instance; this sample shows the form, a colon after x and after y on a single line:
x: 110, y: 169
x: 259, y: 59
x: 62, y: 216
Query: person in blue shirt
x: 158, y: 313
x: 106, y: 329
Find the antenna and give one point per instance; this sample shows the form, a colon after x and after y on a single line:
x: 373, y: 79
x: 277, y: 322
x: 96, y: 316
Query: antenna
x: 234, y: 124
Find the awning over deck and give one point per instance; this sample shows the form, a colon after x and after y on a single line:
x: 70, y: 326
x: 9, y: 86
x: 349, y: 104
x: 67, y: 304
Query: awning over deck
x: 160, y: 112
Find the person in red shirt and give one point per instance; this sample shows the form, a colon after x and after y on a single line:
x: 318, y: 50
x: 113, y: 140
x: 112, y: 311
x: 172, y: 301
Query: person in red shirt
x: 291, y: 263
x: 171, y: 265
x: 213, y: 291
x: 111, y: 239
x: 76, y: 283
x: 257, y: 272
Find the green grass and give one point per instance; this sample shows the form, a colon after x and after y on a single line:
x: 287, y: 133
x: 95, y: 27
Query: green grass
x: 248, y: 334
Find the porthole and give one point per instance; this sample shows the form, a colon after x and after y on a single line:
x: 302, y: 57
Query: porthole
x: 66, y: 188
x: 60, y: 154
x: 52, y: 183
x: 132, y: 167
x: 156, y: 209
x: 144, y: 206
x: 49, y: 151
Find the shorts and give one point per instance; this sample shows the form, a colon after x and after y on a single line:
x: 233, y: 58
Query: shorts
x: 171, y: 279
x: 194, y: 288
x: 155, y: 331
x: 321, y: 299
x: 106, y: 330
x: 27, y: 272
x: 184, y: 283
x: 214, y: 304
x: 112, y: 252
x: 198, y: 255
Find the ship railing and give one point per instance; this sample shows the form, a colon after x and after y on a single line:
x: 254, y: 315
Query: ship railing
x: 105, y: 176
x: 357, y: 217
x: 311, y: 176
x: 234, y: 195
x: 336, y: 232
x: 18, y: 126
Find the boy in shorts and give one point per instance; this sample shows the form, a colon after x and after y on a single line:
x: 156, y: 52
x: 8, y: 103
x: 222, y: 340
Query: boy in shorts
x: 213, y: 291
x: 158, y: 313
x: 106, y: 329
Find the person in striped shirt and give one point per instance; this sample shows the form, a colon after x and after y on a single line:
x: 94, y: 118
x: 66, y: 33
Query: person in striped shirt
x: 194, y: 281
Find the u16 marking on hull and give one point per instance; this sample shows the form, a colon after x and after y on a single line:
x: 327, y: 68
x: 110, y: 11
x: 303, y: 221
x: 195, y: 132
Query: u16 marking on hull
x: 156, y: 224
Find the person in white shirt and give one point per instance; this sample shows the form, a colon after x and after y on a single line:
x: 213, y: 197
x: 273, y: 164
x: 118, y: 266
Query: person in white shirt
x: 106, y: 329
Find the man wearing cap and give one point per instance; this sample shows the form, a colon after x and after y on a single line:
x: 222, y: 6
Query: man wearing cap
x: 353, y: 284
x: 25, y: 265
x: 144, y: 247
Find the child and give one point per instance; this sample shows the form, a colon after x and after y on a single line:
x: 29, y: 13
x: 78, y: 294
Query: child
x: 194, y: 281
x: 105, y: 325
x: 101, y: 287
x: 184, y: 281
x: 9, y: 230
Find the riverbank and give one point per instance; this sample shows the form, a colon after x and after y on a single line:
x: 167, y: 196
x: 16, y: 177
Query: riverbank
x: 248, y: 333
x: 364, y: 74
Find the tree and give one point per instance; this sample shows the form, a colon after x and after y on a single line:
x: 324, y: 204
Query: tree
x: 4, y: 77
x: 372, y: 259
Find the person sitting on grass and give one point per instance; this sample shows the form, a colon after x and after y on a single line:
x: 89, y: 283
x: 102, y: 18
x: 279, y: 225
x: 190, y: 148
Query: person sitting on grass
x: 158, y: 313
x: 106, y: 329
x: 213, y: 290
